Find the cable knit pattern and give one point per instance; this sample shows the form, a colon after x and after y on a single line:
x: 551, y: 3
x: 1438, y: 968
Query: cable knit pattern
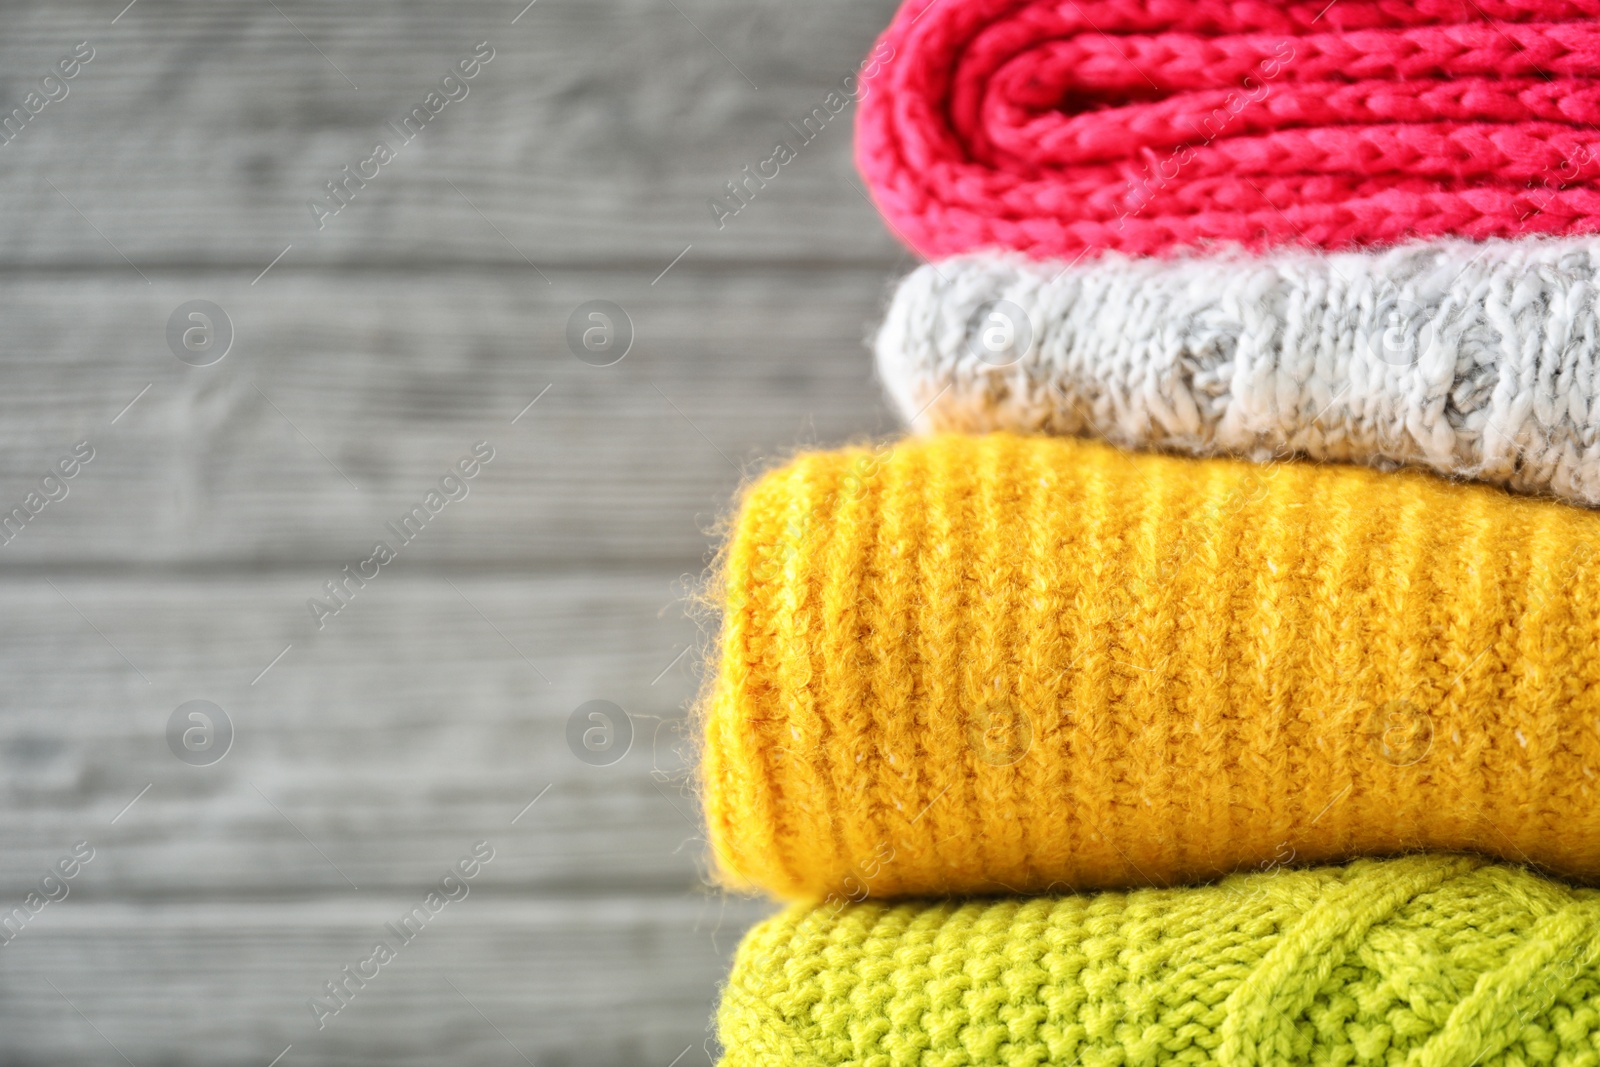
x: 1478, y: 361
x: 1052, y: 127
x: 1425, y: 961
x: 963, y: 664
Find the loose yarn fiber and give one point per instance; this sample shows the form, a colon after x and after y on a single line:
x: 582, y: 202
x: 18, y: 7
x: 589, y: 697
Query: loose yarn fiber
x: 1475, y: 360
x: 1423, y: 961
x: 1027, y: 664
x: 1055, y: 127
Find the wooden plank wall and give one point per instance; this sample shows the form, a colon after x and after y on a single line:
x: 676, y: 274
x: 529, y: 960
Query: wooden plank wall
x: 369, y: 354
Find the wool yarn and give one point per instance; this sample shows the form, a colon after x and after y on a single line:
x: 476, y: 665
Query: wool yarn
x: 1478, y: 361
x: 1424, y: 961
x: 968, y: 664
x: 1055, y: 127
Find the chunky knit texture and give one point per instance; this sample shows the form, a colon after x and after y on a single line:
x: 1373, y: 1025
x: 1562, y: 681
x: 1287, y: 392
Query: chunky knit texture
x: 1481, y: 361
x: 1052, y: 127
x: 1022, y: 663
x: 1425, y: 961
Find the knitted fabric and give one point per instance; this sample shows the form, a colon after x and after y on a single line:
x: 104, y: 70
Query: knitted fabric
x: 1023, y: 663
x: 1423, y: 961
x: 1475, y: 360
x: 1052, y: 127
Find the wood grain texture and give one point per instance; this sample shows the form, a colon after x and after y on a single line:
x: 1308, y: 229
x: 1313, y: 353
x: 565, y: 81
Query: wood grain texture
x: 346, y: 397
x: 565, y: 982
x: 421, y: 318
x: 428, y: 713
x: 596, y: 134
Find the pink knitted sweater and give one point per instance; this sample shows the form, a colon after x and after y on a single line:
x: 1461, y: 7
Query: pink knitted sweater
x: 1053, y: 127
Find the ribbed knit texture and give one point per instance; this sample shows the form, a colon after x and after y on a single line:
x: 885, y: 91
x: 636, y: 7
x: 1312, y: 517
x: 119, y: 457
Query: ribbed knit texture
x: 1424, y: 961
x: 1018, y: 663
x: 1052, y: 127
x: 1477, y: 360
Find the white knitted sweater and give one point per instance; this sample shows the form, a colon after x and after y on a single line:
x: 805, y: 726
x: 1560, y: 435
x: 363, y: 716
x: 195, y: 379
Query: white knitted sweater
x: 1478, y: 360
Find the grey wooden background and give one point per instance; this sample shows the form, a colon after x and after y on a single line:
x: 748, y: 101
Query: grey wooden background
x: 370, y: 356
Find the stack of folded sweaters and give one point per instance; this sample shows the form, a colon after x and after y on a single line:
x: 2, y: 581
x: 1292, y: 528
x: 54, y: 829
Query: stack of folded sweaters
x: 1216, y: 678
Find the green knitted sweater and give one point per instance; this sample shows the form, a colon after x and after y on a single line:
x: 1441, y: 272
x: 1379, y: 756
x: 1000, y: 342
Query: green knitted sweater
x: 1422, y: 961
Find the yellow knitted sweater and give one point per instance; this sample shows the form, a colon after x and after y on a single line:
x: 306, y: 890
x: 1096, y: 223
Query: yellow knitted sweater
x: 978, y: 663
